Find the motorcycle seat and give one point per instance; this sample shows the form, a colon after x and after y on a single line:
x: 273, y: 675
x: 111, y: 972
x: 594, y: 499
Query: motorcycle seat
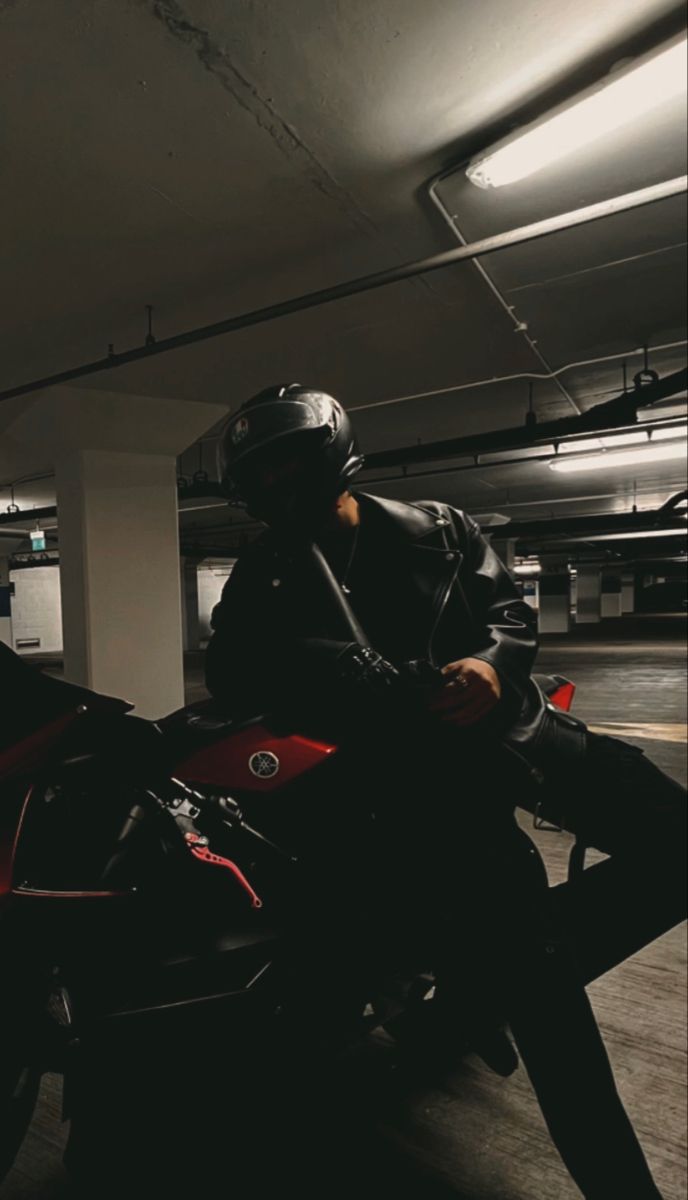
x: 200, y: 724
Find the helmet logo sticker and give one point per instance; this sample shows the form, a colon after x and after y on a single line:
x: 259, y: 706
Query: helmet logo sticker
x: 239, y: 430
x: 264, y: 764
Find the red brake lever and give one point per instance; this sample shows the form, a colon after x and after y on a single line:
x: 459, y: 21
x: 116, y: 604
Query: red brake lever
x: 200, y: 849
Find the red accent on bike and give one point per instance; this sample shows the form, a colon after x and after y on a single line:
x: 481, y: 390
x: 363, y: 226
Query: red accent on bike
x: 11, y: 811
x: 225, y: 763
x: 41, y: 894
x: 206, y: 855
x: 563, y: 697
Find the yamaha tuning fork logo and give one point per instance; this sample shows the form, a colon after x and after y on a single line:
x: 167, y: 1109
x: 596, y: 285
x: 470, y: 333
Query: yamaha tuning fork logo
x: 264, y: 764
x: 239, y: 430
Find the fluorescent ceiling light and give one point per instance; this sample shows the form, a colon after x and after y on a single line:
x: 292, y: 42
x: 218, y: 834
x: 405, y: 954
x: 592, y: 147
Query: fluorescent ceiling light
x: 634, y: 438
x: 629, y: 536
x: 669, y: 431
x: 527, y: 569
x: 607, y: 459
x: 623, y: 439
x: 618, y: 100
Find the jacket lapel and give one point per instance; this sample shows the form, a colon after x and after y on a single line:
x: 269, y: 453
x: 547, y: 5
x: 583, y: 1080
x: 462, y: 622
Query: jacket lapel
x: 426, y: 535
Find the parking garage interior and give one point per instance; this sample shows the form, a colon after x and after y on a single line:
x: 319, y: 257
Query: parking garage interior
x: 202, y: 200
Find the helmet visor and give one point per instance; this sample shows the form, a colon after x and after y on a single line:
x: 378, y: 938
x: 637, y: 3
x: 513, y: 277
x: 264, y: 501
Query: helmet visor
x: 259, y: 426
x: 272, y: 475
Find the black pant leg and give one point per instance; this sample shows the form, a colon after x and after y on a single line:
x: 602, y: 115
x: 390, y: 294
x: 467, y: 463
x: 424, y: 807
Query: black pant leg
x: 511, y: 964
x: 561, y: 1047
x: 619, y: 802
x: 489, y: 873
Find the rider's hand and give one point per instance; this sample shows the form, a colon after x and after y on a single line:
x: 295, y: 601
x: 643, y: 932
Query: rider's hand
x: 471, y: 691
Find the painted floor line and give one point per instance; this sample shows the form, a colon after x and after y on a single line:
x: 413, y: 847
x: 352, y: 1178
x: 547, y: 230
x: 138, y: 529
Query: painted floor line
x: 674, y: 731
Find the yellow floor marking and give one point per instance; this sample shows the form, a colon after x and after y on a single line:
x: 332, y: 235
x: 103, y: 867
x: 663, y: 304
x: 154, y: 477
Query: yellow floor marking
x: 674, y: 731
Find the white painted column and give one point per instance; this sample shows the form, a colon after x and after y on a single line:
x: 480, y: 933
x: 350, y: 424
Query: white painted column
x: 115, y: 463
x: 628, y: 592
x: 555, y: 597
x: 5, y: 608
x: 119, y: 559
x: 588, y: 596
x: 190, y: 622
x: 610, y: 599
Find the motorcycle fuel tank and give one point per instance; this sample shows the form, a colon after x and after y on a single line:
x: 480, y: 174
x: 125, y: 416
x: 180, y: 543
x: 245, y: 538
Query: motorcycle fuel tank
x: 253, y: 759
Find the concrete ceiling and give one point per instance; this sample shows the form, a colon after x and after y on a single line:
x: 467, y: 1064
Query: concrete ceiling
x: 209, y: 158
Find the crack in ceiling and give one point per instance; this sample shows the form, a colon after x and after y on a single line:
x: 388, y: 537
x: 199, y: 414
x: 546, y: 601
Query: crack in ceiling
x: 217, y: 61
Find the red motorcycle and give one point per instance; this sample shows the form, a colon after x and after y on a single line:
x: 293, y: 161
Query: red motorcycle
x: 152, y: 878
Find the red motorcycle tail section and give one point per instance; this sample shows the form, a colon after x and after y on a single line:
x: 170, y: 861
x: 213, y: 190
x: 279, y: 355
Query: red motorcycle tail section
x: 17, y: 760
x: 563, y: 696
x: 11, y: 809
x: 253, y: 760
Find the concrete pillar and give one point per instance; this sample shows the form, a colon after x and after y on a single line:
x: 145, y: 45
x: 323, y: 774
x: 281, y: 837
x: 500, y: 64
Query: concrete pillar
x: 191, y: 628
x: 610, y: 600
x: 628, y: 592
x: 588, y: 596
x: 115, y: 462
x: 555, y: 597
x: 119, y: 555
x: 5, y: 608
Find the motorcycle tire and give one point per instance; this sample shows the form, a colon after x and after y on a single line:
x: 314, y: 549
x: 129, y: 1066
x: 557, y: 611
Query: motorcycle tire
x: 19, y: 1086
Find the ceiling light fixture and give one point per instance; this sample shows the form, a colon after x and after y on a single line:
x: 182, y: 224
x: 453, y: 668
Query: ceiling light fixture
x: 620, y: 98
x: 527, y: 569
x: 607, y: 459
x: 629, y: 535
x: 635, y: 437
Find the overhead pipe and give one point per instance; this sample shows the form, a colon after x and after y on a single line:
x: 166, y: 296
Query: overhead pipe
x: 553, y: 529
x: 607, y: 417
x: 24, y: 514
x: 367, y: 283
x: 613, y: 416
x: 518, y: 325
x: 474, y: 445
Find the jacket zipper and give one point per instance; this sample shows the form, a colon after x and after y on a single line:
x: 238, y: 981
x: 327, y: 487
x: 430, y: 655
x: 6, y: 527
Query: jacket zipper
x: 444, y: 597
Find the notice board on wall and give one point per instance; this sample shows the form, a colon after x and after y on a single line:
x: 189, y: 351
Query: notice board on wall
x: 37, y: 610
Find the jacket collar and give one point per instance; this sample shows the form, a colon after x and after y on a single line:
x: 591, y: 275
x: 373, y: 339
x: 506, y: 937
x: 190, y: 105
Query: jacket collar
x: 424, y: 524
x: 413, y: 521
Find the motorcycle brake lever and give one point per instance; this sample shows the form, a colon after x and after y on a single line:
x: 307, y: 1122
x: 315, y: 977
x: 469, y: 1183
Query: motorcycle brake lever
x: 198, y: 845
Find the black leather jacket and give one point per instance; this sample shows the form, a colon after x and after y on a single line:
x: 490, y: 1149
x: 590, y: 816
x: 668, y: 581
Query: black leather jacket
x: 265, y: 628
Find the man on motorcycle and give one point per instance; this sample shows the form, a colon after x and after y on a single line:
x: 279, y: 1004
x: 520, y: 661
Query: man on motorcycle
x: 442, y: 679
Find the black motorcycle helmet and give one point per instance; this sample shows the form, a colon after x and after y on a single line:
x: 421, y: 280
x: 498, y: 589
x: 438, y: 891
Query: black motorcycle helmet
x: 287, y: 453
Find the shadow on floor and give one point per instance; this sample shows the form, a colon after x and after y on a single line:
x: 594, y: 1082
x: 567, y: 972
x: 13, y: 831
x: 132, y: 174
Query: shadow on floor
x: 311, y: 1133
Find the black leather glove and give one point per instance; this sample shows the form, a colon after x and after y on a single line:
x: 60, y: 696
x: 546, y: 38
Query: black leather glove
x: 367, y: 671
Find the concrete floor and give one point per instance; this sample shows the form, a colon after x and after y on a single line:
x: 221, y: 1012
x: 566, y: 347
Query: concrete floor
x: 481, y: 1137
